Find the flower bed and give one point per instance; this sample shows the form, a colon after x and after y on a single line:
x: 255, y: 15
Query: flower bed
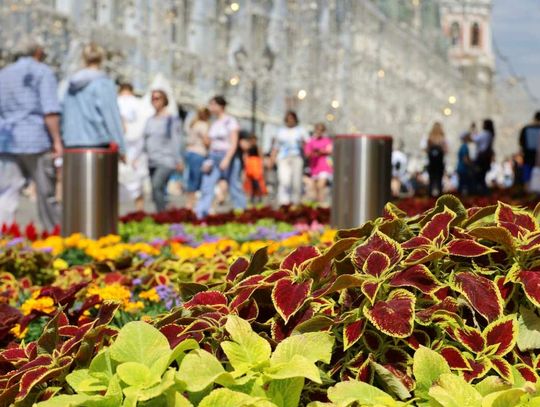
x: 437, y: 309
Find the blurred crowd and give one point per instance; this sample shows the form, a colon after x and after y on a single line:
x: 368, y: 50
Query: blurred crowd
x: 477, y: 171
x: 203, y: 155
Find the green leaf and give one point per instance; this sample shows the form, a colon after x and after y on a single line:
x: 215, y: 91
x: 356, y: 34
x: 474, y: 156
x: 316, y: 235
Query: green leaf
x: 314, y: 346
x: 136, y: 374
x: 529, y: 330
x: 428, y: 365
x: 82, y: 382
x: 101, y: 366
x: 286, y: 393
x: 346, y: 393
x: 392, y: 383
x: 76, y: 400
x: 178, y: 353
x: 454, y: 391
x: 504, y: 398
x: 491, y: 384
x: 200, y: 369
x: 248, y: 349
x: 298, y: 366
x: 140, y: 342
x: 229, y: 398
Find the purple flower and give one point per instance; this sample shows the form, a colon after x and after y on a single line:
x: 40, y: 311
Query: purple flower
x: 15, y: 242
x: 136, y: 281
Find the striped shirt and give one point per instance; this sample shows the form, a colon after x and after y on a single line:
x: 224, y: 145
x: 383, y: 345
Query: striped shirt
x: 28, y: 92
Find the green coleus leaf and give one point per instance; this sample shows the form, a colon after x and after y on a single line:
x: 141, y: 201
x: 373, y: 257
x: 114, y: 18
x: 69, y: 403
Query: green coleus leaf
x: 229, y: 398
x: 428, y: 366
x: 83, y: 382
x: 140, y: 342
x: 248, y: 349
x: 101, y: 366
x: 200, y: 369
x: 453, y: 391
x: 136, y: 374
x: 392, y: 383
x: 346, y: 393
x: 298, y: 366
x: 285, y: 393
x: 504, y: 398
x: 491, y: 384
x: 395, y: 316
x: 156, y: 391
x: 314, y: 346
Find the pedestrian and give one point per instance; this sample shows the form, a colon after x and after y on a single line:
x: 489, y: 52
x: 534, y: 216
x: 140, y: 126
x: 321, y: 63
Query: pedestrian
x: 30, y: 139
x: 436, y: 150
x: 318, y: 151
x: 484, y: 154
x: 254, y: 183
x: 196, y: 152
x: 223, y: 162
x: 288, y: 155
x: 90, y: 114
x: 528, y: 140
x: 465, y: 169
x: 132, y: 173
x: 162, y: 144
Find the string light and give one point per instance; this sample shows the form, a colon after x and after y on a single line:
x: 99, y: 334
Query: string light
x: 235, y: 7
x: 452, y: 100
x: 447, y: 111
x: 330, y: 117
x: 381, y: 73
x: 335, y: 104
x: 302, y: 93
x: 235, y: 80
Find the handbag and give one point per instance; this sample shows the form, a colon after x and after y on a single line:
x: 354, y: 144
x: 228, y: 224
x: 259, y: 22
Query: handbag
x: 534, y: 184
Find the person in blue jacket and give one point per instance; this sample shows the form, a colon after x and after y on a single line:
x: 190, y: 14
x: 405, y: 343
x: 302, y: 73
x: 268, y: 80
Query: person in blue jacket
x: 90, y: 113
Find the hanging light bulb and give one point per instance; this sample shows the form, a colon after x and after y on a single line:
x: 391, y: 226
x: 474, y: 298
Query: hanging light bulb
x: 335, y: 103
x: 301, y: 94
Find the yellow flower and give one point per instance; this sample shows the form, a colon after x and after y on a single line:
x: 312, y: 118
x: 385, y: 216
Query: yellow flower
x: 73, y: 240
x: 133, y: 307
x: 60, y: 264
x: 113, y: 292
x: 150, y: 295
x: 54, y: 243
x: 43, y: 304
x: 16, y: 331
x: 328, y: 236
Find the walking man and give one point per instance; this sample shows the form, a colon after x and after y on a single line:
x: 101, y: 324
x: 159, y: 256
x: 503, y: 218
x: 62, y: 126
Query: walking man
x: 528, y: 140
x: 29, y: 134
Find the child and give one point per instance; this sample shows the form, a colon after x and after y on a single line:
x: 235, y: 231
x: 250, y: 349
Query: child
x: 318, y: 151
x: 254, y: 184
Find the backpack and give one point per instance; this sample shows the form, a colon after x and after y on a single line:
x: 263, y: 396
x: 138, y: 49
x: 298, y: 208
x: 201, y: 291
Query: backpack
x: 435, y: 156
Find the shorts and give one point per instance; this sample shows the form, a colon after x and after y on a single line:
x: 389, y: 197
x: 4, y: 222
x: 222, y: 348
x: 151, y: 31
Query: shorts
x: 194, y: 164
x: 322, y: 175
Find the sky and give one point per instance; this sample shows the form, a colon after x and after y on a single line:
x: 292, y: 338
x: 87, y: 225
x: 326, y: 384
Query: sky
x: 516, y: 33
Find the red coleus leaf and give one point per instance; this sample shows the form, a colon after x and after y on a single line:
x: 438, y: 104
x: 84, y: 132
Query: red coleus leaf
x: 510, y: 218
x: 289, y: 296
x: 238, y: 267
x: 377, y: 242
x: 395, y: 316
x: 455, y: 358
x: 495, y: 234
x: 479, y: 368
x: 447, y: 307
x: 481, y: 293
x: 503, y: 334
x: 533, y: 243
x: 467, y: 248
x: 373, y: 341
x: 376, y: 264
x: 417, y: 276
x: 438, y: 224
x: 503, y: 368
x: 416, y: 242
x: 352, y: 333
x: 298, y: 257
x: 418, y: 338
x: 214, y: 299
x: 530, y: 281
x: 528, y: 373
x: 471, y: 338
x: 395, y: 356
x: 370, y: 289
x: 423, y: 255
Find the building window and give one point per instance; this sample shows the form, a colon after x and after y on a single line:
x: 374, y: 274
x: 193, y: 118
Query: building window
x: 475, y: 35
x: 455, y: 33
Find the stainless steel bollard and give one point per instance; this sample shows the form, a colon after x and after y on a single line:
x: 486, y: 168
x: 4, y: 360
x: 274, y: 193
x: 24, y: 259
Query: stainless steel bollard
x: 90, y: 192
x: 362, y: 177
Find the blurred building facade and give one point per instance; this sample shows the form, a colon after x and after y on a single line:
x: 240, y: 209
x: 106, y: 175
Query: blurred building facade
x: 377, y: 66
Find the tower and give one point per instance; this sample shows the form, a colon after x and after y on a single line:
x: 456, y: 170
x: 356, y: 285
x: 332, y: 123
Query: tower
x: 467, y: 25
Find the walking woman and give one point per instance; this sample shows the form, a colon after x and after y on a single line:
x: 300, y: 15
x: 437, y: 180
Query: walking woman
x: 484, y: 154
x: 163, y: 147
x: 436, y: 150
x: 223, y: 163
x: 318, y: 151
x: 287, y: 153
x: 196, y: 152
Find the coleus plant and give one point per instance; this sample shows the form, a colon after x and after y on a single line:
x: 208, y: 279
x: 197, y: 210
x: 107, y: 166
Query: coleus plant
x: 140, y: 369
x: 442, y: 280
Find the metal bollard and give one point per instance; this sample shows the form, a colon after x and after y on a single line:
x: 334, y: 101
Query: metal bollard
x: 90, y: 192
x: 362, y: 177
